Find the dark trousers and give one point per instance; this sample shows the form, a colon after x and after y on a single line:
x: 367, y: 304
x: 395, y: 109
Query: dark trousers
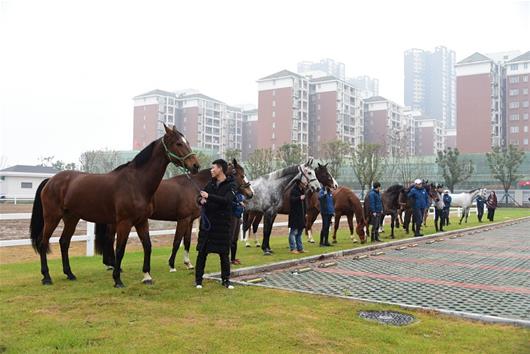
x: 376, y: 222
x: 234, y: 231
x: 324, y: 233
x: 445, y: 217
x: 439, y: 216
x: 417, y: 215
x: 480, y: 213
x: 491, y: 214
x: 201, y: 263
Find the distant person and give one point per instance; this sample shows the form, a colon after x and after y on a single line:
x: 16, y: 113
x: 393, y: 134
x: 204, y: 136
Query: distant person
x: 480, y: 207
x: 214, y: 232
x: 491, y: 204
x: 238, y: 208
x: 376, y: 210
x: 447, y: 207
x: 439, y: 213
x: 420, y: 201
x: 297, y: 217
x: 327, y: 209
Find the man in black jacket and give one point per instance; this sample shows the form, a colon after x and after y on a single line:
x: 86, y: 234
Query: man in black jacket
x: 214, y: 234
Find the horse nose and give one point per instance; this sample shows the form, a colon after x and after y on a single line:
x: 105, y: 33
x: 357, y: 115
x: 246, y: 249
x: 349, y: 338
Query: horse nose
x: 196, y: 167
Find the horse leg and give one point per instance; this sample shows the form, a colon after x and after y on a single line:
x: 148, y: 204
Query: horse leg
x: 108, y: 248
x: 462, y: 216
x: 406, y: 221
x: 382, y: 223
x: 267, y: 230
x: 310, y: 220
x: 50, y: 224
x: 177, y: 239
x: 187, y: 245
x: 349, y: 217
x: 255, y: 226
x: 393, y: 220
x: 142, y: 229
x: 246, y: 228
x: 336, y: 223
x: 69, y: 228
x: 122, y: 229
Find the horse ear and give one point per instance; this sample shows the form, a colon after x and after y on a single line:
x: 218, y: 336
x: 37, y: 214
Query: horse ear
x: 326, y: 165
x: 167, y: 129
x: 319, y: 165
x: 234, y: 162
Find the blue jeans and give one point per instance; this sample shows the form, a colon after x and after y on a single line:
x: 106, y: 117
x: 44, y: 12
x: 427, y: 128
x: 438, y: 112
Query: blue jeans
x: 295, y: 239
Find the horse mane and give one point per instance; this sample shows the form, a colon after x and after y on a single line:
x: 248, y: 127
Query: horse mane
x: 394, y: 188
x: 281, y: 173
x: 473, y: 190
x: 141, y: 158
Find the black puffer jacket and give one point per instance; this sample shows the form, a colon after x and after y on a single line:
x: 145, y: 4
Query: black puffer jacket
x: 297, y: 209
x: 218, y: 209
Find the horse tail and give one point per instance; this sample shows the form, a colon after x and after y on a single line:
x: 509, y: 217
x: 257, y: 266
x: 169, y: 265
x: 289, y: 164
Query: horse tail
x: 37, y: 219
x: 101, y: 237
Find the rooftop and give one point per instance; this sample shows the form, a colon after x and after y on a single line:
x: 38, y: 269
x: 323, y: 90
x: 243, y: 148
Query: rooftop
x: 280, y: 74
x: 30, y: 169
x: 474, y: 58
x: 522, y: 57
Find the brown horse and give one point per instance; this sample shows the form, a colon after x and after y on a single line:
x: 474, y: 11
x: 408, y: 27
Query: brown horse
x: 390, y: 199
x: 347, y: 203
x: 176, y: 200
x: 253, y: 218
x: 123, y: 197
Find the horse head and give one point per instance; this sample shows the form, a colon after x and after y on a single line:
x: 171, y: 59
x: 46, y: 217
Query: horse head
x: 325, y: 177
x: 178, y: 150
x: 238, y: 173
x: 308, y: 175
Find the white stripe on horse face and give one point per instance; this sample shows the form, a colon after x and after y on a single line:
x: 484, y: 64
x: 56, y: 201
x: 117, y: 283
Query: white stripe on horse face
x: 335, y: 184
x: 184, y: 140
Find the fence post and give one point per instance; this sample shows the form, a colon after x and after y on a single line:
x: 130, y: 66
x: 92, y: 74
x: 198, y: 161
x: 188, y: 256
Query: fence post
x: 15, y: 200
x: 90, y: 238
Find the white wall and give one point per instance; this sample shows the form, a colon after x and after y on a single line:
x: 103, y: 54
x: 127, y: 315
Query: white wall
x: 10, y: 187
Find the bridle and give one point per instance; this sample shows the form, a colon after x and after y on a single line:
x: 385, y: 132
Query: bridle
x: 243, y: 185
x: 304, y: 173
x: 180, y: 160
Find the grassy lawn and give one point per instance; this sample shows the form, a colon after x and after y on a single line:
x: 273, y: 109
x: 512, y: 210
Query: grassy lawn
x: 89, y: 315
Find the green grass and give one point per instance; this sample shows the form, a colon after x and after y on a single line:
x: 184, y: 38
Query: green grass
x: 89, y: 315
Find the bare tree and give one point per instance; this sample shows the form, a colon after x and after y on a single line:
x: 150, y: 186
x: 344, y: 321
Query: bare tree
x: 504, y: 164
x: 231, y: 154
x: 368, y: 163
x: 453, y: 170
x: 334, y: 154
x: 290, y: 154
x: 260, y: 162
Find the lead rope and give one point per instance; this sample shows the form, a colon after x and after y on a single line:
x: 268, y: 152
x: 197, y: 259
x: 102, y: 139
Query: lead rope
x: 205, y: 222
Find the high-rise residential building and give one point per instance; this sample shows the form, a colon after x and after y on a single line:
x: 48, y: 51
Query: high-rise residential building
x: 389, y: 124
x: 151, y: 109
x: 283, y: 110
x: 335, y: 113
x: 206, y: 122
x: 367, y: 86
x: 430, y: 83
x: 517, y: 101
x: 325, y: 66
x: 480, y: 104
x: 249, y: 133
x: 430, y: 136
x: 450, y: 138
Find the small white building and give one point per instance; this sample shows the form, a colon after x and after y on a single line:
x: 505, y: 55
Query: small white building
x: 22, y: 181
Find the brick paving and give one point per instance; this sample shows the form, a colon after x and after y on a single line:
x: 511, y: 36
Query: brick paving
x: 482, y: 273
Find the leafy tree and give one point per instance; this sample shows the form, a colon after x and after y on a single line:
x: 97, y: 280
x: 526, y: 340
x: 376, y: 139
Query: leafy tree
x: 368, y: 164
x: 453, y: 170
x: 204, y: 159
x: 99, y: 161
x: 231, y: 154
x: 504, y: 163
x: 290, y: 154
x: 334, y: 153
x: 260, y: 162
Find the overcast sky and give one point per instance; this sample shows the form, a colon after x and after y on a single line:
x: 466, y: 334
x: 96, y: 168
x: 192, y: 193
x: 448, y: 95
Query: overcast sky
x: 69, y: 69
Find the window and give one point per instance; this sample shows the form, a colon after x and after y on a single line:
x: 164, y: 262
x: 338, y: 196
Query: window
x: 27, y: 185
x: 514, y: 130
x: 525, y: 116
x: 514, y: 117
x: 514, y: 92
x: 525, y: 141
x: 514, y: 104
x: 273, y: 114
x: 514, y: 66
x: 525, y: 104
x: 525, y: 78
x: 274, y: 92
x: 525, y: 91
x: 273, y: 125
x: 274, y: 103
x: 514, y: 79
x: 525, y: 129
x: 525, y: 66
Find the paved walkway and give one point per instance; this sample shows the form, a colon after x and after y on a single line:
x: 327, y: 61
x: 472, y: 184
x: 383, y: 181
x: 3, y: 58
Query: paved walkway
x: 482, y: 274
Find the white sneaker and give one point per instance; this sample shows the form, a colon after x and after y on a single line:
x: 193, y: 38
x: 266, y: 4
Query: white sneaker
x: 198, y: 286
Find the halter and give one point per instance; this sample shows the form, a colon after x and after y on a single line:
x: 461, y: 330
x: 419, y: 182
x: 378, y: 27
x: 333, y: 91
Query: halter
x: 303, y: 172
x: 171, y: 155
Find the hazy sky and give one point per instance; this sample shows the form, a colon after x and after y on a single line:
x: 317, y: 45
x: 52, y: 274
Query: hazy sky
x: 69, y: 69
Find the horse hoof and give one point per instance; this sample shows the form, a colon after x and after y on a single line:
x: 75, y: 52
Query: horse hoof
x: 258, y: 245
x: 363, y: 242
x: 189, y: 266
x: 247, y: 245
x: 71, y: 277
x: 119, y: 285
x: 46, y: 282
x: 147, y: 282
x: 311, y: 241
x: 110, y: 268
x: 334, y: 241
x: 172, y: 270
